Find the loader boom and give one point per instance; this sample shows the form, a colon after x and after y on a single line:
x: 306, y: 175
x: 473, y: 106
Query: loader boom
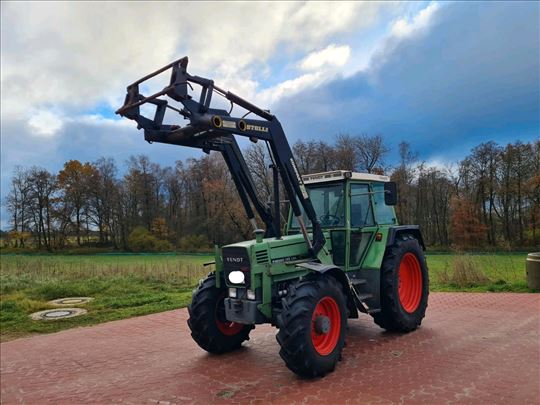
x: 214, y: 129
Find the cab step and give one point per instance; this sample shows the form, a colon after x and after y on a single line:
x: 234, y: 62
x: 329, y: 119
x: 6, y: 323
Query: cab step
x: 358, y: 286
x: 363, y: 297
x: 358, y: 281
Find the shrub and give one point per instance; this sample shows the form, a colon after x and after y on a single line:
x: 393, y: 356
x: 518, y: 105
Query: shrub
x: 141, y: 240
x: 464, y: 272
x: 193, y: 243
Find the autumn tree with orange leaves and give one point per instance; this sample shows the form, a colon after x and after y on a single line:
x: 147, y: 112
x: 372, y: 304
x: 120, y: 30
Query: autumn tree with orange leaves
x: 75, y: 181
x: 467, y: 230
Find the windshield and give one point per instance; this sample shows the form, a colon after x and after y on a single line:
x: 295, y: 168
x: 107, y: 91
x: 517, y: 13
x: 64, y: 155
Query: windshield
x: 328, y: 203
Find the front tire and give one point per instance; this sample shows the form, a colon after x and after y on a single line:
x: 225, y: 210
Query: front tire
x: 209, y: 327
x: 404, y: 287
x: 312, y: 326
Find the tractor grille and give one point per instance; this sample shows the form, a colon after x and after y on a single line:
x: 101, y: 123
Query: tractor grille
x: 261, y: 256
x: 236, y: 259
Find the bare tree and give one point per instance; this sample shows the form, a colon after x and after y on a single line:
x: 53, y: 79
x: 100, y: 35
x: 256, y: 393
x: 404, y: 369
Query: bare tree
x: 345, y: 155
x: 371, y: 151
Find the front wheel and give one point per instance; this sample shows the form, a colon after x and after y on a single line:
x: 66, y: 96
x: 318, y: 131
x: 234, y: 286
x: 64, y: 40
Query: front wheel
x: 312, y: 326
x: 209, y: 327
x: 404, y: 287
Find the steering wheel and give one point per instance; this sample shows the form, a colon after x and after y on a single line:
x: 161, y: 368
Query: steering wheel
x: 330, y: 219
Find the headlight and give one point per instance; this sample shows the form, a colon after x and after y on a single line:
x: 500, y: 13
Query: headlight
x: 232, y: 292
x: 251, y: 295
x: 237, y: 277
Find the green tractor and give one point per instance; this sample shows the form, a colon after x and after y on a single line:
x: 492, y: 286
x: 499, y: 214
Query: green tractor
x: 340, y: 253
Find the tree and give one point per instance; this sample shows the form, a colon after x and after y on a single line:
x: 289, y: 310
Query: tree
x: 482, y: 171
x: 345, y: 155
x: 18, y: 204
x: 75, y: 181
x: 259, y: 163
x: 404, y: 176
x: 316, y: 156
x: 371, y: 151
x: 145, y: 183
x: 496, y: 190
x: 467, y: 230
x: 42, y: 188
x: 103, y: 190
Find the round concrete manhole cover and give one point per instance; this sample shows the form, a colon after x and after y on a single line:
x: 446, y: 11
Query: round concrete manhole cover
x: 51, y: 314
x: 71, y: 301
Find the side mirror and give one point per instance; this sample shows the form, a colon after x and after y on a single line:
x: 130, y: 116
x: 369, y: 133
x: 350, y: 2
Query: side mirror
x: 390, y: 193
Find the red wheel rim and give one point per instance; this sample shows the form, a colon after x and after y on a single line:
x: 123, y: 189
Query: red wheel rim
x: 324, y: 343
x: 226, y: 327
x: 410, y: 282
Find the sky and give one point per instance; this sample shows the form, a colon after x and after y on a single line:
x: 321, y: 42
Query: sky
x: 442, y: 76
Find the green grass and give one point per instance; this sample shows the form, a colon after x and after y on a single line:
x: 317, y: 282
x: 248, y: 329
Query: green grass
x: 122, y: 286
x: 126, y: 285
x: 501, y: 272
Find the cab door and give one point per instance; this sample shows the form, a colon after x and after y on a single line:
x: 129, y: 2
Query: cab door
x: 362, y: 224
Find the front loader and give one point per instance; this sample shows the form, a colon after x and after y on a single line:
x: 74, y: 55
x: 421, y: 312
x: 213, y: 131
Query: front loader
x: 341, y: 252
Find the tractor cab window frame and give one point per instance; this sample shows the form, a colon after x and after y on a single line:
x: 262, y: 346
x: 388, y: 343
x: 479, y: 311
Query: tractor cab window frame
x: 362, y: 222
x: 384, y: 214
x: 361, y: 207
x: 328, y: 200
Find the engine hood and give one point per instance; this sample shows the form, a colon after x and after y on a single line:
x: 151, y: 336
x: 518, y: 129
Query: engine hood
x: 286, y: 240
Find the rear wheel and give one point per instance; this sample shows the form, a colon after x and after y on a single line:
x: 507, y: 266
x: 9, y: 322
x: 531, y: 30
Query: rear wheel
x: 404, y: 286
x: 209, y: 326
x: 312, y: 326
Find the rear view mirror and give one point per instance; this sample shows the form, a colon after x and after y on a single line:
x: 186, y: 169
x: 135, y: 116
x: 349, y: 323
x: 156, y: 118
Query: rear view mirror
x: 390, y: 193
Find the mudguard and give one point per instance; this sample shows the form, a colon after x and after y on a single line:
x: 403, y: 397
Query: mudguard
x: 413, y: 230
x: 340, y: 276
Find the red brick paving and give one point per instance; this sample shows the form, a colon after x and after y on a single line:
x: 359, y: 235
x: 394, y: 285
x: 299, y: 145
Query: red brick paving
x: 472, y: 348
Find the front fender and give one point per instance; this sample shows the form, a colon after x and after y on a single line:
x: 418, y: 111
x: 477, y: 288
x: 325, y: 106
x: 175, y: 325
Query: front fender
x: 333, y: 271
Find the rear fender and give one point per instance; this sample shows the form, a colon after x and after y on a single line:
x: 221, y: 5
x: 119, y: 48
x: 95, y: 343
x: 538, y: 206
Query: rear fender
x: 396, y: 231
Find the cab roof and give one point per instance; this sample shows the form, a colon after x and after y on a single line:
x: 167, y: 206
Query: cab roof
x: 342, y: 174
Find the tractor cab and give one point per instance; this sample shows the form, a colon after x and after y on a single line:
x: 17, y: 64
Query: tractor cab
x: 353, y: 210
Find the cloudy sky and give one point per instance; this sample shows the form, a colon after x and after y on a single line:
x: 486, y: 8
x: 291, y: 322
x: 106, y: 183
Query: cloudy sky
x: 443, y: 76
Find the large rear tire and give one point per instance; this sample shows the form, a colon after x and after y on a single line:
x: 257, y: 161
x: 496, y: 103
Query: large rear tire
x: 209, y: 327
x: 312, y: 326
x: 404, y: 286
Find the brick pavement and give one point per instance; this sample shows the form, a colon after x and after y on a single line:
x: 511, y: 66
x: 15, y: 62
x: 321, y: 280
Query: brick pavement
x: 471, y: 349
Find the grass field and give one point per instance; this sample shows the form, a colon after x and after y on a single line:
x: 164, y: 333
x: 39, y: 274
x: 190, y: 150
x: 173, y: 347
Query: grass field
x: 477, y: 272
x: 122, y: 286
x: 129, y: 285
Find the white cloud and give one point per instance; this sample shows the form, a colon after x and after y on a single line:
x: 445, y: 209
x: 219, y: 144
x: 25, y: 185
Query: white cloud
x: 443, y: 165
x: 97, y: 120
x: 332, y: 55
x: 73, y: 56
x: 289, y: 87
x: 45, y: 123
x: 404, y: 27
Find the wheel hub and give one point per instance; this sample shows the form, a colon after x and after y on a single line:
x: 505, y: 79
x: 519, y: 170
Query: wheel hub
x: 410, y: 283
x: 325, y: 326
x: 322, y: 325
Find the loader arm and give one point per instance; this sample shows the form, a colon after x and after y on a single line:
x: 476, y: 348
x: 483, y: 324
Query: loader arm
x: 213, y: 129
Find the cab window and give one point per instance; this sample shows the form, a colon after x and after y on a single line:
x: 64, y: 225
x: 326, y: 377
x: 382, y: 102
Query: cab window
x: 328, y: 202
x: 384, y: 214
x: 361, y: 212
